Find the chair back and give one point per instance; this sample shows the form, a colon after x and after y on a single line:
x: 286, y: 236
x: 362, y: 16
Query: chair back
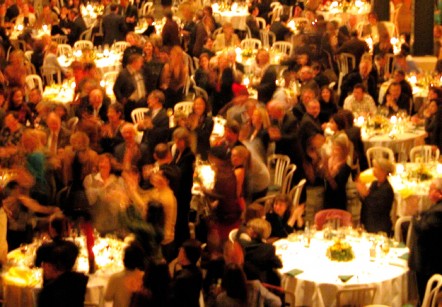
x: 199, y: 91
x: 59, y: 39
x: 33, y: 81
x: 283, y: 47
x: 279, y: 164
x: 276, y: 13
x: 261, y: 23
x: 64, y: 49
x: 184, y: 107
x: 138, y: 114
x: 83, y: 44
x: 389, y: 63
x: 391, y: 28
x: 147, y: 8
x: 355, y: 296
x: 334, y: 216
x: 268, y: 38
x: 399, y: 229
x: 86, y: 35
x: 71, y: 123
x: 346, y: 62
x: 379, y: 152
x: 287, y: 180
x: 190, y: 64
x: 295, y: 193
x: 232, y: 235
x: 424, y: 154
x: 51, y: 74
x: 432, y: 290
x: 30, y: 68
x: 119, y: 47
x: 251, y: 43
x: 28, y: 54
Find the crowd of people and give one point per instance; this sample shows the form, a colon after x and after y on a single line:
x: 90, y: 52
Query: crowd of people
x: 90, y: 161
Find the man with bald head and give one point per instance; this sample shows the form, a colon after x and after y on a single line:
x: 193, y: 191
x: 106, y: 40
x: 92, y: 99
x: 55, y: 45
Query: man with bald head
x: 95, y: 104
x: 58, y: 136
x: 130, y: 153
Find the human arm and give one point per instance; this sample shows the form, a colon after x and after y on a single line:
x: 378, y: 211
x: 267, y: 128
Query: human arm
x: 34, y: 206
x: 240, y: 176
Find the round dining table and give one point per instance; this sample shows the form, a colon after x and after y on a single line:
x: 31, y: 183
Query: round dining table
x: 315, y: 279
x: 22, y: 281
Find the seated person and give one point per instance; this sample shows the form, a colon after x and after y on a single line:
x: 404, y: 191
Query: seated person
x: 260, y: 258
x: 378, y: 199
x: 282, y: 219
x: 227, y: 38
x: 122, y: 284
x: 62, y: 286
x: 396, y: 100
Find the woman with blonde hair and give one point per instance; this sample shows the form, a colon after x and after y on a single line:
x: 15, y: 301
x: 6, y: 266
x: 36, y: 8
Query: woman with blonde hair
x: 256, y: 139
x: 174, y: 76
x: 336, y: 172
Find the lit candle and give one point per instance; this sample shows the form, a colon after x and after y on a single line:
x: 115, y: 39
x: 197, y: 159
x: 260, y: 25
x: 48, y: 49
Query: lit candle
x: 360, y: 121
x: 246, y: 81
x: 20, y: 27
x: 393, y: 120
x: 439, y: 168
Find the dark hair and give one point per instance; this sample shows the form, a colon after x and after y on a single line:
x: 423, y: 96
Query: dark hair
x: 62, y: 255
x: 156, y: 282
x: 117, y: 107
x: 235, y: 282
x: 161, y: 150
x: 133, y: 257
x: 283, y: 198
x: 349, y: 117
x: 339, y: 119
x: 252, y: 8
x: 219, y: 152
x: 359, y: 85
x: 192, y: 248
x: 284, y: 17
x: 113, y: 7
x: 60, y: 225
x: 233, y: 126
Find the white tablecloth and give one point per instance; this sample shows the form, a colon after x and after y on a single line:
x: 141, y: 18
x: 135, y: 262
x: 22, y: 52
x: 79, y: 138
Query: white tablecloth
x: 237, y: 19
x: 318, y: 283
x: 22, y: 284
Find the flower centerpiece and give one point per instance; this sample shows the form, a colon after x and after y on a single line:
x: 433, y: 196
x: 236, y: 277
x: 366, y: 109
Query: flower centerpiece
x: 340, y: 251
x: 421, y: 173
x: 247, y: 53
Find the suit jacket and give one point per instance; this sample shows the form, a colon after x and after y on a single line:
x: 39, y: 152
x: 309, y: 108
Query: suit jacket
x: 68, y: 290
x: 280, y: 30
x: 186, y: 287
x: 426, y: 239
x: 356, y: 47
x: 170, y: 33
x: 197, y: 38
x: 124, y: 85
x: 309, y: 126
x: 253, y: 26
x: 77, y: 27
x: 129, y: 11
x: 114, y: 28
x: 120, y: 149
x: 160, y: 131
x: 267, y: 86
x: 86, y: 107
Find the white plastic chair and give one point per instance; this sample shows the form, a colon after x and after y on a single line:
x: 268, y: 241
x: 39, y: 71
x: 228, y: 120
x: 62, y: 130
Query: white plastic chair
x: 261, y: 23
x: 28, y: 54
x: 138, y: 114
x: 147, y: 8
x: 87, y: 34
x: 51, y: 74
x: 232, y: 235
x: 389, y: 63
x: 432, y: 290
x: 355, y: 296
x: 283, y: 47
x: 276, y: 13
x: 391, y: 28
x: 199, y: 91
x: 64, y: 49
x: 424, y: 154
x: 83, y: 44
x: 33, y: 81
x: 398, y: 234
x: 346, y: 62
x: 60, y: 39
x: 184, y: 107
x: 295, y: 193
x: 287, y: 180
x: 119, y: 47
x: 279, y: 163
x: 377, y: 151
x: 268, y: 38
x: 251, y: 43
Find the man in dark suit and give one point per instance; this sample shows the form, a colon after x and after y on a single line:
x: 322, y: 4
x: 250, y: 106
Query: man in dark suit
x: 114, y: 27
x: 156, y: 122
x: 252, y: 23
x: 282, y: 32
x: 361, y: 76
x: 395, y: 100
x: 58, y: 136
x: 426, y: 239
x: 130, y: 13
x: 354, y: 46
x: 267, y: 86
x: 310, y: 123
x: 76, y: 26
x: 299, y: 110
x: 129, y: 87
x: 95, y: 104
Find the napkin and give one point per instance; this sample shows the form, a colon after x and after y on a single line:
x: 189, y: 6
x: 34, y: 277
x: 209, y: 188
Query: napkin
x: 294, y: 272
x: 404, y: 256
x: 345, y: 278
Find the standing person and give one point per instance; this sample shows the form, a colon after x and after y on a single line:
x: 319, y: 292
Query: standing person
x: 130, y: 13
x: 76, y: 26
x: 201, y: 124
x: 378, y: 199
x: 129, y: 86
x: 426, y: 239
x: 114, y: 27
x: 187, y: 283
x: 174, y: 76
x: 171, y: 31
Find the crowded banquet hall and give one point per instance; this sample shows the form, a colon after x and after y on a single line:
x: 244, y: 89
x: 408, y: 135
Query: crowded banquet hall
x: 151, y: 150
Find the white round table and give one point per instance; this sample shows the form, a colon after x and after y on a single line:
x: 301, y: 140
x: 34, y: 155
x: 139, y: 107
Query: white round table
x: 314, y: 278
